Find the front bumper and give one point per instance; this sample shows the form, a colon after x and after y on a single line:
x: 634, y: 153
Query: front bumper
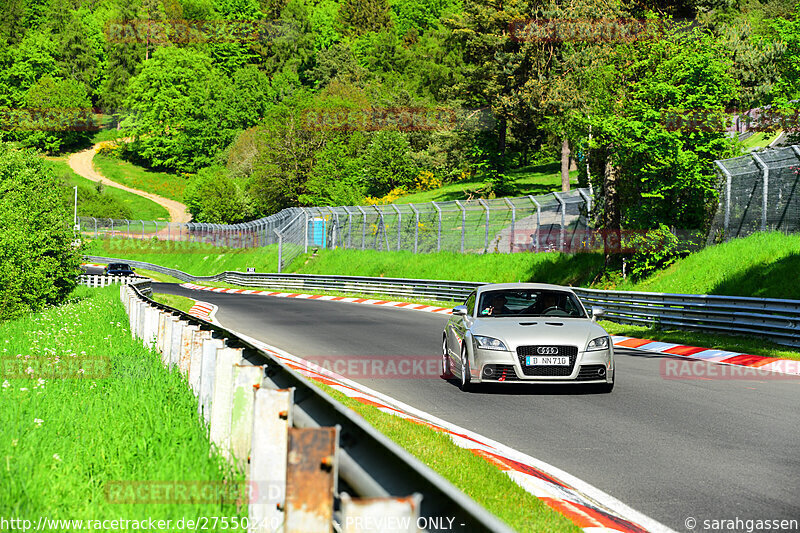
x: 494, y: 366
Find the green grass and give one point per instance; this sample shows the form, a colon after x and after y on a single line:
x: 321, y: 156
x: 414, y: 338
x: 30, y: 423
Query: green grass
x: 480, y: 480
x: 107, y: 202
x: 578, y: 269
x: 161, y: 183
x: 760, y: 139
x: 66, y: 441
x: 762, y: 265
x: 541, y: 179
x: 202, y: 260
x: 713, y: 341
x: 195, y: 258
x: 173, y: 300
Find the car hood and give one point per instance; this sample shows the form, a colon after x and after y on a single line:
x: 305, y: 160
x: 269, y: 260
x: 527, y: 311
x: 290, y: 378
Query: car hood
x: 539, y: 330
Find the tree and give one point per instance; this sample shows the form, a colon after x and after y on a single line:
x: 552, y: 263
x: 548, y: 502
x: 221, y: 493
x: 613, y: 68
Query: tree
x: 213, y: 197
x: 286, y: 156
x: 124, y: 58
x: 60, y: 114
x: 646, y: 171
x: 385, y: 163
x: 180, y: 115
x: 362, y: 16
x: 81, y: 55
x: 38, y: 264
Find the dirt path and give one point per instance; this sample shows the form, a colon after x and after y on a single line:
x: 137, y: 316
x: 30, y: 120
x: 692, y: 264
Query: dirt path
x: 81, y: 163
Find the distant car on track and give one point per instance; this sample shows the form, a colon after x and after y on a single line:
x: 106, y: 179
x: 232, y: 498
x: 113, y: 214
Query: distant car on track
x: 118, y: 269
x: 526, y: 333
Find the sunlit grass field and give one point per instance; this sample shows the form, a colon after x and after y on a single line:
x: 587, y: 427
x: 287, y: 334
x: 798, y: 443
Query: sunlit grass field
x: 69, y: 438
x: 137, y: 207
x: 161, y: 183
x: 535, y: 180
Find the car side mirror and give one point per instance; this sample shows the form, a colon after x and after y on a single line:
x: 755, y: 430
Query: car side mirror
x: 460, y: 310
x: 597, y: 311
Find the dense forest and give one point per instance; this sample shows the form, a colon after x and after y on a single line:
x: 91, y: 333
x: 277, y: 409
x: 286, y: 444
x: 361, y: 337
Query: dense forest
x: 264, y: 104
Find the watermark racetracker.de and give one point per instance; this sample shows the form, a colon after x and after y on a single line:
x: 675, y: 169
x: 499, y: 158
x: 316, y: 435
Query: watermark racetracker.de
x: 403, y: 118
x: 65, y: 367
x: 182, y: 31
x: 682, y: 369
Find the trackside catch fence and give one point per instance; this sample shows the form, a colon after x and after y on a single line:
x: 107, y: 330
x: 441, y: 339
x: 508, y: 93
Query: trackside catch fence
x: 758, y: 192
x: 557, y: 221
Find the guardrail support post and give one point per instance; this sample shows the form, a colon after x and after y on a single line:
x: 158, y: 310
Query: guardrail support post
x: 176, y: 343
x: 311, y: 473
x: 196, y: 359
x: 221, y: 404
x: 246, y: 380
x: 272, y: 418
x: 208, y: 366
x: 356, y: 512
x: 187, y: 340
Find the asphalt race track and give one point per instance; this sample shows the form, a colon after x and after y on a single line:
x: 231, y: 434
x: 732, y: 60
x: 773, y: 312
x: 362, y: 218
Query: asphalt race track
x: 672, y: 449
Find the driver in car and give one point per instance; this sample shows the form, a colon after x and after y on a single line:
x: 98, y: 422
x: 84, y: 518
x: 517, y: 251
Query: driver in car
x: 550, y: 302
x: 497, y: 305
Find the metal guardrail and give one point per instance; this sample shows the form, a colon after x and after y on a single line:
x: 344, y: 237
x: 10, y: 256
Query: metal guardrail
x: 283, y: 404
x: 102, y: 280
x: 773, y: 319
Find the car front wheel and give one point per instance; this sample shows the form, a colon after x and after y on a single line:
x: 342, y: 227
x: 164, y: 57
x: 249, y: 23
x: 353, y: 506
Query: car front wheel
x: 466, y: 381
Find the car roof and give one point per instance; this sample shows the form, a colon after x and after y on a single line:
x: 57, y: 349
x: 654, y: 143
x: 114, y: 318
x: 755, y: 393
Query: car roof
x: 511, y: 286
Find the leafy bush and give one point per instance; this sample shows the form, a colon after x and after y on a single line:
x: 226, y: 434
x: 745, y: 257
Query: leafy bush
x: 38, y: 264
x: 654, y: 250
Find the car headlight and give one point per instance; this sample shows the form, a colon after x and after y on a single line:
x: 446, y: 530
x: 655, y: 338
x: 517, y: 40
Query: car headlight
x: 600, y: 343
x: 489, y: 343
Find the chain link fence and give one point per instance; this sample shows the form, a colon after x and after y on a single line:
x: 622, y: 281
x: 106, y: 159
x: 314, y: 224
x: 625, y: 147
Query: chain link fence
x: 552, y: 222
x: 759, y: 192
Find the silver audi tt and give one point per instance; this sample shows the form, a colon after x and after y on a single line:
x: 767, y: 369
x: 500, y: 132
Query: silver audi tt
x: 526, y: 333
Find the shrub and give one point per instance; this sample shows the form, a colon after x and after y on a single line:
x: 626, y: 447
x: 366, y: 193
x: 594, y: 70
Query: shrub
x: 38, y: 264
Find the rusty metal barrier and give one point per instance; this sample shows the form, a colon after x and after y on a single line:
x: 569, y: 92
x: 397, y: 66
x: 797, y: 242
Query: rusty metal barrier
x: 311, y: 463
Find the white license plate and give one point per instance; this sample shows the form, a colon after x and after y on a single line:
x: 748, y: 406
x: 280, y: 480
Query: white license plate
x: 547, y: 360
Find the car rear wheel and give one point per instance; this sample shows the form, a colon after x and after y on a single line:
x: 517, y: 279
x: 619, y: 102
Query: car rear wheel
x: 447, y: 373
x: 466, y: 381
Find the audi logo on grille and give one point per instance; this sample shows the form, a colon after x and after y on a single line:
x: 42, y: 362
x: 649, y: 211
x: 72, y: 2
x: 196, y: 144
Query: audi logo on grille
x: 547, y: 350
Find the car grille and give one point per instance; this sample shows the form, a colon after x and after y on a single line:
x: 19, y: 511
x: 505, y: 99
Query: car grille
x: 589, y: 372
x: 570, y: 351
x: 499, y: 373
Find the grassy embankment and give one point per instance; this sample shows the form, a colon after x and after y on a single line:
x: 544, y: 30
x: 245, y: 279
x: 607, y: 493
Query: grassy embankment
x: 535, y: 180
x: 161, y: 183
x: 68, y: 440
x: 107, y: 202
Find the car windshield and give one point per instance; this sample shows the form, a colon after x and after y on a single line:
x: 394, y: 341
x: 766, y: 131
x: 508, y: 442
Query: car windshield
x: 118, y: 266
x: 530, y: 303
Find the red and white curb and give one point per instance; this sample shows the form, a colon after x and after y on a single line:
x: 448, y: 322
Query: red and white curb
x: 204, y: 311
x: 98, y: 265
x: 783, y: 366
x: 588, y: 507
x: 348, y: 299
